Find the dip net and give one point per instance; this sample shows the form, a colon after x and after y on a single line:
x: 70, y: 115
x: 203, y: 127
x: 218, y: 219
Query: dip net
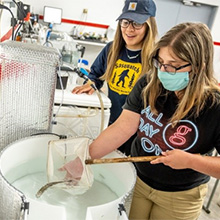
x: 71, y: 152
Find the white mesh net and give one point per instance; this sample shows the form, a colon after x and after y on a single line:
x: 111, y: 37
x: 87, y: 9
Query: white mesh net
x: 71, y: 152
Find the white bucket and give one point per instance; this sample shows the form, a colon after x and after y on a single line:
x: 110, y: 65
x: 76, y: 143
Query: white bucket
x: 28, y: 157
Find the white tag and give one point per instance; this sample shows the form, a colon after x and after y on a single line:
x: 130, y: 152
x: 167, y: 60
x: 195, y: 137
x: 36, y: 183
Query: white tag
x: 132, y: 6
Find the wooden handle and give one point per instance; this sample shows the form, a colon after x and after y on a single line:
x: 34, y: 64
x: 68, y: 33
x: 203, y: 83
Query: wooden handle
x: 123, y: 159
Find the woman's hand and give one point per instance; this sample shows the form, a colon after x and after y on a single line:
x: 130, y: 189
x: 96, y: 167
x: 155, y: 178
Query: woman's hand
x: 176, y: 159
x: 74, y: 169
x: 86, y: 88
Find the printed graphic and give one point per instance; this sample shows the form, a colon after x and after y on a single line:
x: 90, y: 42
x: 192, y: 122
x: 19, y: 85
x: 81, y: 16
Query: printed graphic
x: 124, y: 77
x: 158, y: 135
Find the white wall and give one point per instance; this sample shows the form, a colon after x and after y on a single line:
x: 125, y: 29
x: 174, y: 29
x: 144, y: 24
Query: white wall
x: 98, y: 10
x: 5, y: 19
x: 106, y: 12
x: 101, y: 12
x: 216, y: 38
x: 215, y: 27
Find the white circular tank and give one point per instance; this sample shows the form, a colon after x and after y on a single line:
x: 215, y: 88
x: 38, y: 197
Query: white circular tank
x: 23, y: 172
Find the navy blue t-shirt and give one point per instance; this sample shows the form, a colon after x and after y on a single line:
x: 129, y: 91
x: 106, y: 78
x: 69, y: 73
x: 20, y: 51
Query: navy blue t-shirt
x: 125, y: 74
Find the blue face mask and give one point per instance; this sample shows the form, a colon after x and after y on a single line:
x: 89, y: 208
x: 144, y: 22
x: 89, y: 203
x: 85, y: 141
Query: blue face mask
x: 173, y: 82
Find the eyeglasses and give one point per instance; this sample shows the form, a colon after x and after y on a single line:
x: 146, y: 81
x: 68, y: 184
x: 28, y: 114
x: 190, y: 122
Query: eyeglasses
x: 168, y: 68
x: 125, y: 23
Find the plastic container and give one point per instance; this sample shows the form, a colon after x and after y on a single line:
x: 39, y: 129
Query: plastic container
x: 26, y: 158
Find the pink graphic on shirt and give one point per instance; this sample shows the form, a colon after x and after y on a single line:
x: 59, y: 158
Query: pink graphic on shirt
x: 157, y: 134
x: 178, y: 137
x: 183, y: 136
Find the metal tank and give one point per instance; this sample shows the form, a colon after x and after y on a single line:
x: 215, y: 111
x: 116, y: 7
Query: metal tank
x: 28, y: 174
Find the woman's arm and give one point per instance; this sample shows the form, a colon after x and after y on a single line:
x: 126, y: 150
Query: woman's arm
x: 207, y: 165
x: 178, y: 159
x: 115, y: 135
x: 98, y: 68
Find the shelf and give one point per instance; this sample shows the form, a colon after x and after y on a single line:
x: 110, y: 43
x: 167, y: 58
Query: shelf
x: 88, y: 42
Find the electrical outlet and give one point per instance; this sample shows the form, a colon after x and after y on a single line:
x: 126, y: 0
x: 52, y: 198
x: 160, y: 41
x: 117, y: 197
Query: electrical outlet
x: 85, y: 11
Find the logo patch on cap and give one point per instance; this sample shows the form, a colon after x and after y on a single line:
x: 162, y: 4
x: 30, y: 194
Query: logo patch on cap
x: 132, y: 6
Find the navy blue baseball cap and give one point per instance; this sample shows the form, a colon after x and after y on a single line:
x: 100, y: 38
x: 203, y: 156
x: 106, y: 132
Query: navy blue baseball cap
x: 138, y: 10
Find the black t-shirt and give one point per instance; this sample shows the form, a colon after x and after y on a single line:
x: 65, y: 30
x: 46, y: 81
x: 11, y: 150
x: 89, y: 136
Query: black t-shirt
x: 155, y: 134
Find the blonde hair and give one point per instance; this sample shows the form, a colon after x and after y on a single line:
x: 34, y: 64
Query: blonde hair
x: 191, y: 42
x: 119, y: 43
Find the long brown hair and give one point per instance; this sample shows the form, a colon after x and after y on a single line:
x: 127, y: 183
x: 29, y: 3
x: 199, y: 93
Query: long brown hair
x: 192, y: 43
x: 119, y: 43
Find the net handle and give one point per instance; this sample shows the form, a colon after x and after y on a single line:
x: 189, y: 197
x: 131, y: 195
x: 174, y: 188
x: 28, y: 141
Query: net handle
x: 123, y: 159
